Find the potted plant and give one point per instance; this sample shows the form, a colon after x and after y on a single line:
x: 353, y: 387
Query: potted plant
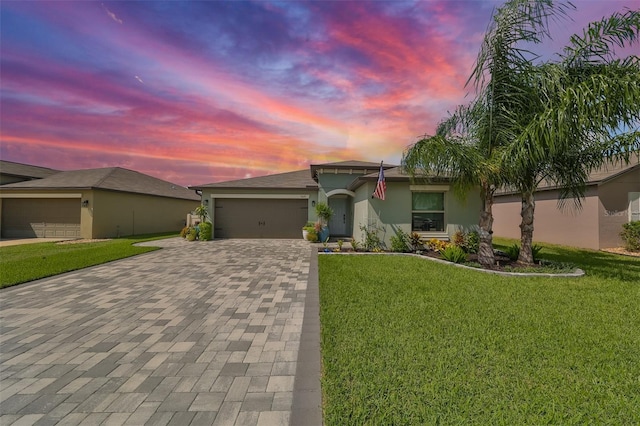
x: 324, y: 213
x: 305, y: 230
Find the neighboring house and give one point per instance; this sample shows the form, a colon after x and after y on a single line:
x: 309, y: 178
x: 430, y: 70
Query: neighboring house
x: 93, y: 203
x: 612, y: 198
x: 11, y: 172
x: 278, y: 206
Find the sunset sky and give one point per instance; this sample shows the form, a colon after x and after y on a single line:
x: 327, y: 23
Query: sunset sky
x: 203, y: 92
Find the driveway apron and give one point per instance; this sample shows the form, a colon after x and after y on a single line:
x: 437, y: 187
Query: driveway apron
x: 196, y: 333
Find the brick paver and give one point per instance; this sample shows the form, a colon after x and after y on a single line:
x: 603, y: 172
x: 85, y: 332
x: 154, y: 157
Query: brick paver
x: 196, y: 333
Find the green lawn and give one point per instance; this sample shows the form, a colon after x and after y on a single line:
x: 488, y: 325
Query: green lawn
x: 408, y: 341
x: 28, y: 262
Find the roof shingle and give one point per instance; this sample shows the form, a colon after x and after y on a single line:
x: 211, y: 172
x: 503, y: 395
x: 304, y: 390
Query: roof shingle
x: 111, y: 178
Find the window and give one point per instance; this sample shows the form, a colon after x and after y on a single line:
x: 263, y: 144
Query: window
x: 427, y: 211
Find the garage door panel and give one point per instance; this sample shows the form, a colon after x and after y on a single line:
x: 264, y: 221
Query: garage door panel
x: 40, y: 217
x: 259, y: 218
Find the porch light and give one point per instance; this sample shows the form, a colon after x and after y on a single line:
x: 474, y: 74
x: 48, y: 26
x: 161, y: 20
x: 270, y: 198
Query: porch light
x: 85, y: 203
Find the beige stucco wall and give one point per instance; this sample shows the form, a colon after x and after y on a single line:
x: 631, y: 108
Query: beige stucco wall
x: 613, y: 207
x: 116, y: 214
x: 569, y: 226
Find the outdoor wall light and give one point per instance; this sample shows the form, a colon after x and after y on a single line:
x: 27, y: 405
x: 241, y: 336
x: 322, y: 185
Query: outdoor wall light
x: 313, y: 203
x: 206, y: 202
x: 85, y: 203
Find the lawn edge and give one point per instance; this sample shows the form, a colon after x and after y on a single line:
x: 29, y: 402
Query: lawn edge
x: 575, y: 274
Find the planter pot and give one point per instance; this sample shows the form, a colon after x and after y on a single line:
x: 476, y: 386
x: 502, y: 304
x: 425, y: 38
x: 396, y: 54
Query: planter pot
x: 324, y: 234
x: 305, y: 233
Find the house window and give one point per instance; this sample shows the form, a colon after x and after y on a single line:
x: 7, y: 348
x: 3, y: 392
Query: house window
x: 427, y: 211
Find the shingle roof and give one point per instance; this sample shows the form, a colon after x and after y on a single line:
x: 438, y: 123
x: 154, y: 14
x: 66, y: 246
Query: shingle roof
x: 596, y: 177
x: 111, y: 178
x: 394, y: 174
x: 300, y: 179
x: 25, y: 170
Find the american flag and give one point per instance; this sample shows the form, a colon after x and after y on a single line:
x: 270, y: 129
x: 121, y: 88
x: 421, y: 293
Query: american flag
x: 381, y: 186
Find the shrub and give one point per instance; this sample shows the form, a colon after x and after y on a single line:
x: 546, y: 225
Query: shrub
x: 436, y: 245
x: 355, y: 245
x: 415, y: 240
x: 473, y: 242
x: 513, y: 252
x: 372, y: 241
x: 399, y: 242
x: 631, y: 235
x: 459, y: 239
x: 454, y: 254
x: 184, y: 231
x: 192, y: 234
x: 312, y: 235
x: 205, y: 231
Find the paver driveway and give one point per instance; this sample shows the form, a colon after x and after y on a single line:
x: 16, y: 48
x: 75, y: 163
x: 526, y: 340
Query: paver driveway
x: 195, y: 333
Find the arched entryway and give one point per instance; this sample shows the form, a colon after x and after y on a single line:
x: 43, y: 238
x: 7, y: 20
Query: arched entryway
x: 341, y: 223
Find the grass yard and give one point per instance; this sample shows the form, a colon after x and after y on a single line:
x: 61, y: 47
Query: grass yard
x: 406, y: 341
x: 19, y: 264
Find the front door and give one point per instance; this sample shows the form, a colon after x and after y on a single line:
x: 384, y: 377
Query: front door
x: 339, y: 223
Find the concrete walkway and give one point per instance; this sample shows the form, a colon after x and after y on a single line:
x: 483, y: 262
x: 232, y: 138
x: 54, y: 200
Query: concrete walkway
x: 202, y: 333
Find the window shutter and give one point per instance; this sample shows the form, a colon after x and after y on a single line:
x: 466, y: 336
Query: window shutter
x: 634, y: 206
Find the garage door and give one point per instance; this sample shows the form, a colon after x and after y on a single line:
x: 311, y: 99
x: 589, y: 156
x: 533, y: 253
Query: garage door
x: 259, y: 218
x: 41, y: 217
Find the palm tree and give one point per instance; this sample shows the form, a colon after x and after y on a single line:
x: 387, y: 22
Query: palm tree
x: 530, y: 122
x: 571, y: 120
x: 468, y: 146
x: 459, y: 152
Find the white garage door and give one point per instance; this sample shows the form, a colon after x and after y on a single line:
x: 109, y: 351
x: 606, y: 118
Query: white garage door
x: 41, y: 217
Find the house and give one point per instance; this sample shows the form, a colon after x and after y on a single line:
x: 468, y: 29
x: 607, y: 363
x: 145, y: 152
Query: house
x: 612, y: 198
x: 279, y: 205
x: 11, y: 172
x: 93, y: 203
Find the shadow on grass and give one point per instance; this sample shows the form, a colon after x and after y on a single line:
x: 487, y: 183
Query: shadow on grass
x: 594, y: 263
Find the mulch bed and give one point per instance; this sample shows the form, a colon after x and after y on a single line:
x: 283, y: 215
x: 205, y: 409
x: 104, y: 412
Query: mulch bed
x: 502, y: 262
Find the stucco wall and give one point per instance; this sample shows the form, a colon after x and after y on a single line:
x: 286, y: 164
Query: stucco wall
x: 569, y: 226
x: 395, y: 211
x: 120, y: 214
x: 613, y: 207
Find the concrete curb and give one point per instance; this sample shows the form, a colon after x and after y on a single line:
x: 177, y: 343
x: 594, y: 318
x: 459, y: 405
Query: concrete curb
x: 575, y: 274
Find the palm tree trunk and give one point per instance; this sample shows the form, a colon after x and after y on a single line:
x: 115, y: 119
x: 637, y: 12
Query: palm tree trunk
x: 485, y: 249
x: 526, y: 227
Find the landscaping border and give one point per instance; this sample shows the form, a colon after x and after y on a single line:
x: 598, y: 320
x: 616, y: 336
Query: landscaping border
x: 575, y: 274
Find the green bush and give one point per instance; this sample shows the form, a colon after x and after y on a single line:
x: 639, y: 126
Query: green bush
x: 184, y: 231
x: 454, y: 254
x: 399, y: 242
x: 192, y: 234
x: 472, y: 242
x: 513, y: 252
x: 631, y: 235
x: 205, y: 231
x: 312, y: 235
x: 372, y: 241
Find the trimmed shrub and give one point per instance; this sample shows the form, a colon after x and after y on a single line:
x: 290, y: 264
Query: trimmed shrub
x: 454, y: 254
x: 205, y: 231
x: 631, y: 235
x: 399, y: 242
